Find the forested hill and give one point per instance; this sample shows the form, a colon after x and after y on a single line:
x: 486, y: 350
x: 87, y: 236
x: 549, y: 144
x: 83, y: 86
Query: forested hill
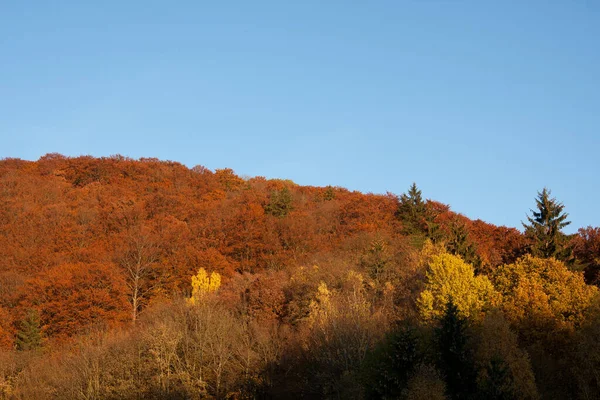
x: 100, y: 243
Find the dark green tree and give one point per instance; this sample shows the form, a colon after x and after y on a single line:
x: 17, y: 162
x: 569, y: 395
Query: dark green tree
x: 329, y: 194
x: 460, y: 244
x: 29, y: 336
x: 545, y: 225
x: 390, y: 364
x: 376, y: 260
x: 280, y: 203
x: 456, y: 359
x: 412, y: 212
x: 498, y: 383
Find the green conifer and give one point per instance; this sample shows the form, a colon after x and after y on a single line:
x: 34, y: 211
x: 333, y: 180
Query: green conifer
x: 460, y: 244
x: 456, y: 360
x: 412, y: 212
x: 544, y: 228
x: 29, y: 336
x: 280, y: 203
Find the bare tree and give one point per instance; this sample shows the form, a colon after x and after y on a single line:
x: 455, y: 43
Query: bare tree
x: 138, y: 256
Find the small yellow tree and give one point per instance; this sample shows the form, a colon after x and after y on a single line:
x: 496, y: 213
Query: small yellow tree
x: 203, y: 285
x: 321, y: 308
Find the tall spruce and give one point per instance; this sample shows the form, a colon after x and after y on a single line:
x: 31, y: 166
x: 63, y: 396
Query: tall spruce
x: 389, y: 366
x: 456, y: 358
x: 460, y: 244
x: 412, y: 212
x: 29, y: 336
x: 545, y: 225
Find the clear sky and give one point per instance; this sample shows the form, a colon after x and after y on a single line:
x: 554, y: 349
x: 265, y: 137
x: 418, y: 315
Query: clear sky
x: 481, y: 103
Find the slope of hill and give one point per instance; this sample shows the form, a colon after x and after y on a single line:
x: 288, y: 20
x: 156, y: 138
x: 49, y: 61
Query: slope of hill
x: 311, y: 281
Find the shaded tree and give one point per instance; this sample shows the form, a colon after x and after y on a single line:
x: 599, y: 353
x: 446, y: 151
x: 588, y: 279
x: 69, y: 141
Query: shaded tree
x: 391, y: 363
x: 460, y: 244
x: 503, y: 369
x: 456, y: 359
x: 426, y: 383
x: 29, y: 335
x: 586, y: 249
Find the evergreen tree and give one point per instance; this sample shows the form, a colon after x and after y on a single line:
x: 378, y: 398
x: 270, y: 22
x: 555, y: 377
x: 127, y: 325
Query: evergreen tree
x: 460, y: 244
x: 329, y: 193
x: 29, y: 336
x: 376, y: 260
x: 390, y: 365
x: 456, y: 360
x: 280, y: 203
x: 545, y: 226
x: 412, y: 212
x: 498, y: 382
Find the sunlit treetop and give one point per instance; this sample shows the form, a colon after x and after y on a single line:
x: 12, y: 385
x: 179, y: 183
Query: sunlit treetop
x: 545, y: 226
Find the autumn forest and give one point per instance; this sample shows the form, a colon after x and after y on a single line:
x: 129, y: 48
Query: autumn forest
x: 145, y: 279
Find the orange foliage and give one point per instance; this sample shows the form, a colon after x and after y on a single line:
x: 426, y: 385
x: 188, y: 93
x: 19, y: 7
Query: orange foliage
x: 6, y: 329
x: 75, y: 228
x: 71, y: 296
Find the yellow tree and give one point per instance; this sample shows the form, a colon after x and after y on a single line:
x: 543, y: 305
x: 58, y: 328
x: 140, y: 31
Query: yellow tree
x: 540, y: 292
x: 546, y: 303
x: 449, y: 277
x: 203, y: 285
x: 321, y: 308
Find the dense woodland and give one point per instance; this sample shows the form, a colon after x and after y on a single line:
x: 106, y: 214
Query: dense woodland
x: 144, y: 279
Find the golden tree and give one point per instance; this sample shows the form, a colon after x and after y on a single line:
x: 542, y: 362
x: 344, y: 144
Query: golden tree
x: 203, y: 285
x: 450, y: 278
x: 538, y: 291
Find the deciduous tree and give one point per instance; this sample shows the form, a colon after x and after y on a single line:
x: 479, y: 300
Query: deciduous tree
x: 70, y: 297
x: 450, y: 278
x: 586, y: 249
x: 541, y: 295
x: 203, y: 285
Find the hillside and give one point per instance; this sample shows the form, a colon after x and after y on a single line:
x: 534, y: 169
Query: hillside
x: 300, y: 291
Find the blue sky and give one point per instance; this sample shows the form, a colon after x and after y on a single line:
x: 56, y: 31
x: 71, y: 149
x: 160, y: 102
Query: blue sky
x: 481, y: 103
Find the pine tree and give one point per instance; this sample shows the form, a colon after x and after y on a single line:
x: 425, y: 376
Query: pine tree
x: 329, y: 193
x: 412, y: 212
x: 545, y: 226
x: 498, y: 382
x: 280, y: 203
x: 390, y: 365
x: 455, y: 356
x: 460, y: 244
x: 29, y: 336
